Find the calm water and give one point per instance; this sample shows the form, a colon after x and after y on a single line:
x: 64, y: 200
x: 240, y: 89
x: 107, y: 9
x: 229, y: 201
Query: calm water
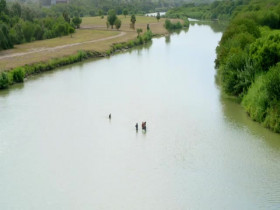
x: 58, y: 150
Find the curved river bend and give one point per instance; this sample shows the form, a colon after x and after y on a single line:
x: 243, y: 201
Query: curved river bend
x: 58, y: 150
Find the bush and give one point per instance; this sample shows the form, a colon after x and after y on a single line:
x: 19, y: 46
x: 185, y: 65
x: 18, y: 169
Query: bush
x: 172, y: 26
x: 266, y: 51
x: 272, y: 119
x: 270, y: 19
x: 4, y: 80
x: 76, y: 22
x: 147, y: 36
x: 272, y: 83
x: 241, y: 25
x: 18, y: 75
x: 256, y: 100
x: 186, y: 23
x: 262, y: 101
x: 118, y: 23
x: 231, y: 73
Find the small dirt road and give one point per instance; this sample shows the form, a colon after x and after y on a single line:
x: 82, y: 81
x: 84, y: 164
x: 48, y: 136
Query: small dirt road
x: 50, y: 49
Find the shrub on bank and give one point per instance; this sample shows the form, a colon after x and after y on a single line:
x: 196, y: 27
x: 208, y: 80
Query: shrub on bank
x: 262, y: 102
x: 18, y: 75
x: 256, y: 100
x: 172, y: 26
x: 4, y: 80
x: 266, y: 51
x: 141, y: 39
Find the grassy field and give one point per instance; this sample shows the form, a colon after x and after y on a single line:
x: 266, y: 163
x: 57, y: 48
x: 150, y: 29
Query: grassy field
x: 93, y: 35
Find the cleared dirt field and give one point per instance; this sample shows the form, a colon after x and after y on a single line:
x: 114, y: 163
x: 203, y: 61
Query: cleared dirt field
x: 93, y: 35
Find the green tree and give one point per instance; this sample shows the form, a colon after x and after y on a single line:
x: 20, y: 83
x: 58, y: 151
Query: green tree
x: 111, y: 18
x: 77, y: 21
x: 66, y: 16
x: 266, y: 51
x: 38, y: 32
x: 71, y: 31
x: 100, y: 13
x: 270, y: 19
x: 61, y: 29
x: 17, y: 33
x: 5, y: 40
x: 118, y: 23
x: 133, y: 20
x: 16, y: 9
x: 158, y: 16
x: 28, y: 14
x: 125, y: 12
x: 3, y: 5
x: 28, y: 31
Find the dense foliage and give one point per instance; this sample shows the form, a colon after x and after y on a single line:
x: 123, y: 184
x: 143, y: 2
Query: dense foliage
x: 248, y: 55
x: 125, y: 7
x: 221, y: 10
x: 20, y: 23
x: 248, y: 60
x: 26, y: 21
x: 172, y: 26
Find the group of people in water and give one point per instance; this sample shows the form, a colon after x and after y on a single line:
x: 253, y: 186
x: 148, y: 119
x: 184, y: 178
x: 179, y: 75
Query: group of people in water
x: 144, y: 124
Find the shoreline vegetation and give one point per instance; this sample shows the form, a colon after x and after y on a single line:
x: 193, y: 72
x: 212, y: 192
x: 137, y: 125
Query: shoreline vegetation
x: 248, y: 61
x: 18, y: 74
x: 248, y: 54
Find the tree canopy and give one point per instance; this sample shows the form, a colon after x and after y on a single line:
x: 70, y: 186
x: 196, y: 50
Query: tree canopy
x: 111, y: 17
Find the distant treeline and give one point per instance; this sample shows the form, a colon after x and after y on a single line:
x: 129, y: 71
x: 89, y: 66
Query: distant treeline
x: 26, y: 21
x: 222, y: 10
x: 93, y: 7
x: 248, y: 60
x: 20, y: 23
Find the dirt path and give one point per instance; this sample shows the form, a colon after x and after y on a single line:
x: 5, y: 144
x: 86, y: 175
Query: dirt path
x: 50, y: 49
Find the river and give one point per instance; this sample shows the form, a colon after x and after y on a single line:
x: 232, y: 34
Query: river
x: 59, y: 150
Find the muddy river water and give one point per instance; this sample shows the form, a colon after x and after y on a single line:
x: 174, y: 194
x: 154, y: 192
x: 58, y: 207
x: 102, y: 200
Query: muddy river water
x: 59, y: 150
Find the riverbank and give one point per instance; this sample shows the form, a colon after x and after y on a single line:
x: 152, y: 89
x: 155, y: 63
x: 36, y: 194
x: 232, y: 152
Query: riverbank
x: 248, y: 62
x: 92, y: 40
x: 17, y: 75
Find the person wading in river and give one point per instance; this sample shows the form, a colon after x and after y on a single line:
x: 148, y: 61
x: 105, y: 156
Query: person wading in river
x: 144, y: 126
